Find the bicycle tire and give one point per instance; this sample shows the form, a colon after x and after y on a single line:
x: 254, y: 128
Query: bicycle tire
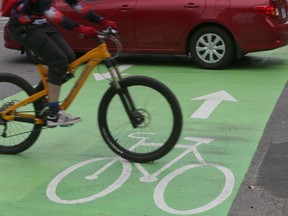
x: 147, y: 93
x: 19, y: 135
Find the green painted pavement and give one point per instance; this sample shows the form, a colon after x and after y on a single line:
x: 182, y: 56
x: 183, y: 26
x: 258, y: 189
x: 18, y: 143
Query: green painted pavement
x: 234, y: 130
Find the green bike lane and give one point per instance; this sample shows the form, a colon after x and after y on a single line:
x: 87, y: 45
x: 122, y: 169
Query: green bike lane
x: 227, y: 109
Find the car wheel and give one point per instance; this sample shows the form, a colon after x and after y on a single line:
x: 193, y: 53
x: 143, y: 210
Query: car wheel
x: 32, y: 57
x: 212, y: 48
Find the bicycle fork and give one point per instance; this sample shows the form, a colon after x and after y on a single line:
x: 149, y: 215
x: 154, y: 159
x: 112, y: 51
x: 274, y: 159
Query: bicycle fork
x: 135, y: 117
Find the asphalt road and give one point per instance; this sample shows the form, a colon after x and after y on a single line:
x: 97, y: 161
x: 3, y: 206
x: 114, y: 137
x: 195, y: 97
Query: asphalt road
x: 264, y: 190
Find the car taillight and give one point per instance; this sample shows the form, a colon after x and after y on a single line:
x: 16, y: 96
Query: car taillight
x: 268, y: 10
x: 276, y: 9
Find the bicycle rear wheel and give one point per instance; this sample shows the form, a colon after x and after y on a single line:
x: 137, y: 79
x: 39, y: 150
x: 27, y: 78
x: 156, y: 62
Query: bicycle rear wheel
x: 17, y: 136
x: 159, y: 130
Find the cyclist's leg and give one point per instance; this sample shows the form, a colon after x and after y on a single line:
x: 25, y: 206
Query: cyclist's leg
x: 63, y: 45
x: 57, y: 70
x: 45, y: 42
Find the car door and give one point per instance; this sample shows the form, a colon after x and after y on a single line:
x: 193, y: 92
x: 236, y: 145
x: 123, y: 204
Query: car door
x: 119, y: 11
x: 160, y: 24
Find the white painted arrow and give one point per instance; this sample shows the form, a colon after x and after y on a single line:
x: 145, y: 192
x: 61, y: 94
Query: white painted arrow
x: 212, y: 101
x: 103, y: 76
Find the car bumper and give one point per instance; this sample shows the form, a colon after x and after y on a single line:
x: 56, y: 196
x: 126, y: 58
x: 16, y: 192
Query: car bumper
x: 268, y: 36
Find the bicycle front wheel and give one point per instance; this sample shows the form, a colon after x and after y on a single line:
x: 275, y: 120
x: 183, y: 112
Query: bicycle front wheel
x: 161, y: 125
x: 17, y: 136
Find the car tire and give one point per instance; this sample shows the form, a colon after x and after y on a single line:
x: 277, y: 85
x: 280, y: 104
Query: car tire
x: 32, y: 57
x: 212, y: 48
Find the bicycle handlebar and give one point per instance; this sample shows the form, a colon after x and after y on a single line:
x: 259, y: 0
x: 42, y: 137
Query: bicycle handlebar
x: 109, y: 33
x: 103, y: 34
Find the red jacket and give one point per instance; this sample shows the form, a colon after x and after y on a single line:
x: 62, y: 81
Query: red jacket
x: 36, y: 12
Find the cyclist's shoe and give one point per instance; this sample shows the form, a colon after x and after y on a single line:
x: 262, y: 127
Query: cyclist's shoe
x: 62, y: 119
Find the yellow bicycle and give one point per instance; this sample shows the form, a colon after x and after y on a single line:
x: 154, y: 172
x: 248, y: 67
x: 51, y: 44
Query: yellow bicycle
x: 132, y: 104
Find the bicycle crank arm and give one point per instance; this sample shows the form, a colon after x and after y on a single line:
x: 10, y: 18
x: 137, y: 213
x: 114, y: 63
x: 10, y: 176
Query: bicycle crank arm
x: 29, y: 120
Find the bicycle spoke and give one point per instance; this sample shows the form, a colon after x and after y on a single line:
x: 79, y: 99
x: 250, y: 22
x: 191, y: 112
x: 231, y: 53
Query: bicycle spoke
x: 157, y: 116
x: 17, y: 136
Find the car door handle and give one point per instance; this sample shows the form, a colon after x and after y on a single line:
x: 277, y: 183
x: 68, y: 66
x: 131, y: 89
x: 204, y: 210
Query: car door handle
x: 191, y: 5
x: 125, y: 8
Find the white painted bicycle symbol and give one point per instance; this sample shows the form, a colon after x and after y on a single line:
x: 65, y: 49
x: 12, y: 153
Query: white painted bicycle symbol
x: 147, y: 177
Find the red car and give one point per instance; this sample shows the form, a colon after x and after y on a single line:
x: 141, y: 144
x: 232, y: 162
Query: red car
x: 213, y: 32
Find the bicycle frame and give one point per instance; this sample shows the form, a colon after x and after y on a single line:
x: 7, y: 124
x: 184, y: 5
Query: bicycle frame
x: 93, y: 58
x: 26, y: 111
